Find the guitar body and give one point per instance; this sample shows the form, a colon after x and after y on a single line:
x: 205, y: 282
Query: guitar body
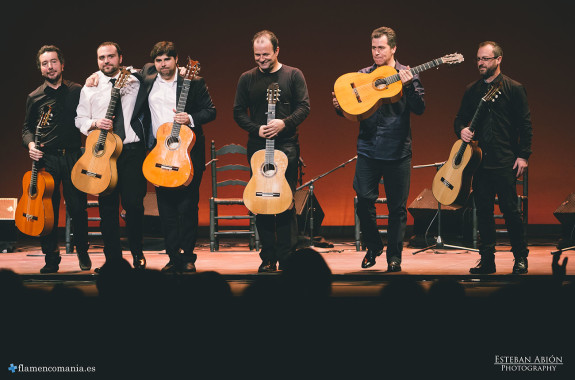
x: 95, y: 172
x: 452, y: 183
x: 358, y: 95
x: 268, y: 191
x: 34, y: 212
x: 169, y: 164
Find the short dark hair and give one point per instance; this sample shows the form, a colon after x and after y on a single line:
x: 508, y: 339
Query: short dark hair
x: 48, y: 48
x: 164, y: 47
x: 266, y: 33
x: 385, y: 31
x: 497, y: 50
x: 109, y: 43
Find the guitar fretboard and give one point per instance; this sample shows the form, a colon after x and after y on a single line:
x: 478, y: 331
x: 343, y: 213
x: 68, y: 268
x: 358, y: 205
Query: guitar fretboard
x: 416, y: 70
x: 109, y: 114
x: 270, y: 145
x: 181, y: 107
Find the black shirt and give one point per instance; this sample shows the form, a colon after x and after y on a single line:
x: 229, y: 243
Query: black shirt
x: 292, y: 106
x: 503, y: 128
x: 61, y: 131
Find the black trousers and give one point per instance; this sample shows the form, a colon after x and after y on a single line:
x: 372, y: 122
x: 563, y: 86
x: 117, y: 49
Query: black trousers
x: 131, y: 189
x: 59, y: 164
x: 396, y: 179
x: 278, y: 233
x: 178, y: 209
x: 501, y: 183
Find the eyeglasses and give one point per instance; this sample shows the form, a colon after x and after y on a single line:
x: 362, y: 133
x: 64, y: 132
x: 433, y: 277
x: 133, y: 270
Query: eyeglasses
x: 485, y: 59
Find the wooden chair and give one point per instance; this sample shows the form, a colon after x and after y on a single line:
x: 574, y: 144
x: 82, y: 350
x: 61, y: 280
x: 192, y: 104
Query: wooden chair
x: 224, y: 160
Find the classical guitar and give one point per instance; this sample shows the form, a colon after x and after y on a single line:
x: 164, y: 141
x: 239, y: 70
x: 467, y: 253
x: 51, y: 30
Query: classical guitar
x: 268, y: 191
x: 361, y: 94
x: 95, y: 171
x: 34, y: 212
x: 452, y: 182
x: 168, y: 164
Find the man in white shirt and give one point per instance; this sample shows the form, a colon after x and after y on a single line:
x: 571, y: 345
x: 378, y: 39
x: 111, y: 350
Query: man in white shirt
x: 128, y: 124
x: 178, y: 206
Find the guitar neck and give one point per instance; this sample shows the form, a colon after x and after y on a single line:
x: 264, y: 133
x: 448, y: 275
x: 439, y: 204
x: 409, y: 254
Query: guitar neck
x: 270, y: 145
x: 110, y: 113
x: 471, y: 127
x: 416, y: 70
x: 182, y: 100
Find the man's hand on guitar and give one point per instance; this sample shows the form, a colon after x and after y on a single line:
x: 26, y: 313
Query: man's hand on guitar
x: 467, y: 135
x: 406, y: 76
x: 520, y: 164
x: 103, y: 123
x: 182, y: 118
x: 35, y: 154
x: 271, y: 130
x: 335, y: 102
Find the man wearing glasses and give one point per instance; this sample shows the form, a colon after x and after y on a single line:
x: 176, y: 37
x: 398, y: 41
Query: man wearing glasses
x: 504, y: 134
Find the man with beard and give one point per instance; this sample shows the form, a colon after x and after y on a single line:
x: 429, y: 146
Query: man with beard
x: 128, y: 125
x: 58, y: 152
x: 178, y: 207
x: 384, y: 151
x: 504, y: 134
x: 278, y: 233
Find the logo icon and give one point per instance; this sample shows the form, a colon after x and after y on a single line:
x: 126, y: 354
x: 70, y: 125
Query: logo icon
x: 12, y: 368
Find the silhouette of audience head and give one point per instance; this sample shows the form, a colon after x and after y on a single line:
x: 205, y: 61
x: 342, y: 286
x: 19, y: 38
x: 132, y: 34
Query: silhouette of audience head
x: 306, y: 275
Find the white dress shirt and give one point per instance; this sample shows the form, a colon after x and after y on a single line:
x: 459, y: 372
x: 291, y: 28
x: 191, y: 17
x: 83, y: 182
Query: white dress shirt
x: 94, y: 102
x: 163, y: 101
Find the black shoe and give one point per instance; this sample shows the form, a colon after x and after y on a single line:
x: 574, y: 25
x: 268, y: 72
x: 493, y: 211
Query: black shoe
x: 139, y: 262
x: 369, y: 259
x: 50, y: 268
x: 189, y: 267
x: 484, y: 266
x: 170, y: 267
x: 267, y: 267
x: 52, y: 264
x: 394, y: 266
x: 520, y: 266
x: 97, y: 270
x: 84, y: 260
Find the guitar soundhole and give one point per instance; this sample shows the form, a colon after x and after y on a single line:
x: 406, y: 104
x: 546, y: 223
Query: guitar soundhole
x: 269, y: 169
x: 99, y: 149
x: 380, y: 84
x: 172, y: 143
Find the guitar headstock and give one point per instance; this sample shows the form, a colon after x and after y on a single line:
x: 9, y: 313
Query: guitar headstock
x: 192, y: 69
x: 452, y: 59
x: 493, y: 93
x: 273, y: 93
x: 46, y: 115
x: 123, y: 78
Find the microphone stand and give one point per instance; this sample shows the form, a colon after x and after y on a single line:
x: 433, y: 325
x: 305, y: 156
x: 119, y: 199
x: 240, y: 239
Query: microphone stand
x: 438, y: 240
x: 310, y: 183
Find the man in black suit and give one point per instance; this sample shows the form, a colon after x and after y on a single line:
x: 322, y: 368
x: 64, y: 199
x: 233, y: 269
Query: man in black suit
x: 178, y: 207
x: 129, y: 126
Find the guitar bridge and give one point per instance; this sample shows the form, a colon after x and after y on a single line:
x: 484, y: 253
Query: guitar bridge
x: 167, y: 167
x: 30, y: 217
x: 91, y: 174
x: 446, y: 183
x: 355, y: 92
x: 267, y: 195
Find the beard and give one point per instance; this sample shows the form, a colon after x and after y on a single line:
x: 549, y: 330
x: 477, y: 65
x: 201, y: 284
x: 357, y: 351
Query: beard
x: 489, y: 72
x: 53, y: 80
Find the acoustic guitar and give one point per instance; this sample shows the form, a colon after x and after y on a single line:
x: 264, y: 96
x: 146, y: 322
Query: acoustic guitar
x: 34, y: 212
x: 361, y: 94
x: 452, y: 182
x: 268, y: 191
x: 95, y: 171
x: 169, y: 164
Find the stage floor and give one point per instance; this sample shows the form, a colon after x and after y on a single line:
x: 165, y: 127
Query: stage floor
x: 239, y: 266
